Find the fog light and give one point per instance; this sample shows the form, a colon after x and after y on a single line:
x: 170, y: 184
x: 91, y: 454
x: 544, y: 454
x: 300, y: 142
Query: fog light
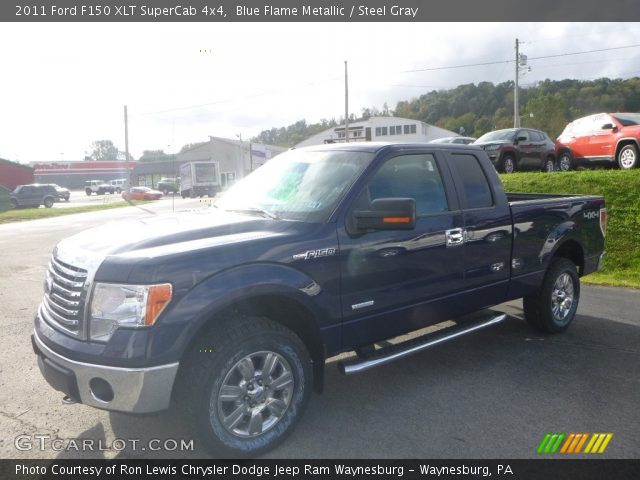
x: 101, y: 390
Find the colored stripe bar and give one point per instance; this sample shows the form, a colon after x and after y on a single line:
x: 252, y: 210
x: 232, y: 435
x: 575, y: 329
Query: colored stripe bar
x: 576, y: 439
x: 581, y: 443
x: 567, y: 443
x: 554, y: 449
x: 551, y: 444
x: 543, y: 443
x: 591, y: 442
x: 605, y: 443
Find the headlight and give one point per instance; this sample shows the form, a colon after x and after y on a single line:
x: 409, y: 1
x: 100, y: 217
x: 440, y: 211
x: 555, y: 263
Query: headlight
x: 491, y: 148
x: 133, y: 306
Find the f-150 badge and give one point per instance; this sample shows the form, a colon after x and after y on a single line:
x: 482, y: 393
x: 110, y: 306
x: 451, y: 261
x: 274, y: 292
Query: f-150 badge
x: 309, y: 254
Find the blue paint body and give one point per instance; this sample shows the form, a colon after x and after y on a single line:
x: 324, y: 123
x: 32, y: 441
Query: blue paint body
x: 412, y: 277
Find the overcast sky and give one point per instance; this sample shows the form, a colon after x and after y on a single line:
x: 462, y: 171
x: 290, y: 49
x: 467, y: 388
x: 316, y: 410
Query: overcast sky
x: 65, y: 85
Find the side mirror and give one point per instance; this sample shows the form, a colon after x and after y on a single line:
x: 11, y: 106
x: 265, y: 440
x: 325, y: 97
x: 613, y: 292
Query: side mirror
x: 609, y: 126
x: 388, y: 214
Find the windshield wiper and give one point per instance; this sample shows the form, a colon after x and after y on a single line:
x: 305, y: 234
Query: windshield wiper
x: 251, y: 210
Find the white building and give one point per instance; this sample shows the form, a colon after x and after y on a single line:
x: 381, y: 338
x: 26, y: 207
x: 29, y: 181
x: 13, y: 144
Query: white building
x: 236, y: 158
x: 381, y: 129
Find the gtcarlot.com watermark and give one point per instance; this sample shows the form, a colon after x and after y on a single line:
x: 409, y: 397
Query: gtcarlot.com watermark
x: 47, y: 442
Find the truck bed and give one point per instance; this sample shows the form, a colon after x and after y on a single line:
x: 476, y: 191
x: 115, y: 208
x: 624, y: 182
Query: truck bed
x: 515, y: 198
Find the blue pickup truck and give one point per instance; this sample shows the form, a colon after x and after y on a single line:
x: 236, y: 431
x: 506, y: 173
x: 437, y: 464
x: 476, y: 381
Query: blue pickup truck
x: 231, y: 312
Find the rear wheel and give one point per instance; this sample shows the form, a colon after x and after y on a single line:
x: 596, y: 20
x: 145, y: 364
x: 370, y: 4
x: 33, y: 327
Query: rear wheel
x: 565, y: 162
x: 552, y: 308
x: 87, y: 191
x: 14, y: 203
x: 245, y: 386
x: 549, y: 165
x: 628, y: 157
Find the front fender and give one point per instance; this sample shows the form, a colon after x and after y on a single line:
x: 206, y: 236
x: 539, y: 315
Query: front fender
x: 182, y: 321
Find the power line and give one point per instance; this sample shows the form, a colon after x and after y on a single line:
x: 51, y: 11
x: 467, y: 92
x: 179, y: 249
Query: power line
x: 247, y: 97
x: 497, y: 62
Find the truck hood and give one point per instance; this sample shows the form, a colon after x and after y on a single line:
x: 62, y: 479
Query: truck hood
x: 493, y: 142
x: 163, y: 235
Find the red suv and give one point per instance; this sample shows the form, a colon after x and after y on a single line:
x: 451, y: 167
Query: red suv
x: 601, y: 139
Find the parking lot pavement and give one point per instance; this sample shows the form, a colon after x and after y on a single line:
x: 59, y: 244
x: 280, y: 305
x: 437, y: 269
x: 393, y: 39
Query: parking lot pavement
x: 80, y: 198
x: 493, y: 394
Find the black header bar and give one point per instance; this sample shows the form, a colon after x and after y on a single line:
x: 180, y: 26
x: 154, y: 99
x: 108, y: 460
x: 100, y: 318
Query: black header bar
x: 318, y: 469
x: 318, y: 10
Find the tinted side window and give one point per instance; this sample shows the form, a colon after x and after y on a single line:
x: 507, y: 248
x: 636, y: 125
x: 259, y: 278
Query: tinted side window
x: 411, y: 176
x: 525, y: 134
x: 474, y: 181
x: 535, y: 136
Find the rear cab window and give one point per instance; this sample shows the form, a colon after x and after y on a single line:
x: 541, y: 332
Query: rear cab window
x: 473, y: 185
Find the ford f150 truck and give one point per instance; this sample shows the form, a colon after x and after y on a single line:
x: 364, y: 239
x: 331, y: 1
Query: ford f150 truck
x: 231, y: 312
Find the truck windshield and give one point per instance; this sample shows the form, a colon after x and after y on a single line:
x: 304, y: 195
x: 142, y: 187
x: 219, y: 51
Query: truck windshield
x: 297, y: 185
x: 205, y: 172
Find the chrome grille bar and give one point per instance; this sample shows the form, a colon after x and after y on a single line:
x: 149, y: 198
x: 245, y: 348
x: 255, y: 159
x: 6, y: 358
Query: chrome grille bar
x: 62, y: 305
x: 58, y: 318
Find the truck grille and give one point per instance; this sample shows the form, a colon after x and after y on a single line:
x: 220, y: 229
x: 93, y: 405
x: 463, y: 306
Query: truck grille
x: 62, y: 305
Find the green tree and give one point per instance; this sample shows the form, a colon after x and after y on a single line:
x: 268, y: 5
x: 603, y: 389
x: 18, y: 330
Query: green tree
x: 546, y: 113
x: 155, y: 156
x: 103, y: 150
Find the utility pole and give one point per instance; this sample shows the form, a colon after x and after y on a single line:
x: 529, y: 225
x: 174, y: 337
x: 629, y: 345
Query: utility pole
x: 126, y: 149
x: 346, y: 104
x: 516, y: 112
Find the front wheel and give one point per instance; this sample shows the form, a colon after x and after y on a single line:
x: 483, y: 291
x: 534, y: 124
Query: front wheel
x: 552, y: 308
x: 246, y: 386
x: 48, y: 202
x: 565, y: 162
x: 628, y: 157
x: 88, y: 192
x: 508, y: 164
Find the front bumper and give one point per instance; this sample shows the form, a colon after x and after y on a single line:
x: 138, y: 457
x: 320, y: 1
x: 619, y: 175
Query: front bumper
x: 133, y: 390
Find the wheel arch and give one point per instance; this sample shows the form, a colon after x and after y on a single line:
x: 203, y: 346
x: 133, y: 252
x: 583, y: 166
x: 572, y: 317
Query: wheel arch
x: 622, y: 142
x: 572, y: 250
x: 279, y: 305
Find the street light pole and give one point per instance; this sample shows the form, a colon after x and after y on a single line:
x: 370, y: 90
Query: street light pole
x: 346, y: 104
x: 516, y: 113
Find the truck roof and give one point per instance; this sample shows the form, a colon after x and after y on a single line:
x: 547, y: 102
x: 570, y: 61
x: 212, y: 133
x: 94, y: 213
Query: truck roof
x: 377, y: 146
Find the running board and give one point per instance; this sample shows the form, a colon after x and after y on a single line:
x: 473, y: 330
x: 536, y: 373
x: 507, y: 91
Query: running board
x: 400, y: 350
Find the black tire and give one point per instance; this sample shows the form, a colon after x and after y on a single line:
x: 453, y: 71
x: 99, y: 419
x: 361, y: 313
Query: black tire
x: 565, y: 162
x: 628, y: 157
x: 548, y: 311
x: 14, y: 203
x: 66, y: 198
x: 48, y: 202
x: 549, y: 165
x: 88, y: 192
x: 213, y: 362
x: 507, y: 164
x: 118, y: 190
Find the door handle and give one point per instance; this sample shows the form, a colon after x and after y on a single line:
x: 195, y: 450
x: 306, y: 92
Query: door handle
x: 455, y: 237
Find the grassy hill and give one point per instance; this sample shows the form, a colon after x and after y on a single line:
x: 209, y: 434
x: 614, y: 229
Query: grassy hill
x: 621, y: 190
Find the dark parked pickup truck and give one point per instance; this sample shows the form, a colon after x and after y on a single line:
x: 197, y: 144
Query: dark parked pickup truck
x: 231, y: 312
